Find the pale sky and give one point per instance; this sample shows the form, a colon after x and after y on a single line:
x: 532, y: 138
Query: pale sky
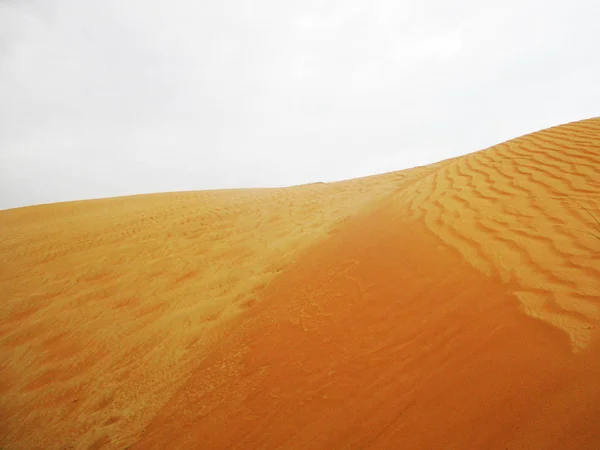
x: 119, y: 97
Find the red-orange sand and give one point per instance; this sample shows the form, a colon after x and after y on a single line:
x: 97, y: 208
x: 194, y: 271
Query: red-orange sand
x: 450, y: 306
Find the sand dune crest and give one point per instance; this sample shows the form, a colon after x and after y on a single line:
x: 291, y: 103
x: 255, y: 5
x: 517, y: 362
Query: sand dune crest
x: 454, y: 305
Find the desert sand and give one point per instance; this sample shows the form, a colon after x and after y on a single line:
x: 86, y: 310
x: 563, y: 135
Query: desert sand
x: 451, y: 306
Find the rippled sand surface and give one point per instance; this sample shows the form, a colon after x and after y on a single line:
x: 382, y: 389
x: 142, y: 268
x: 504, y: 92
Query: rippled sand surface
x: 454, y: 305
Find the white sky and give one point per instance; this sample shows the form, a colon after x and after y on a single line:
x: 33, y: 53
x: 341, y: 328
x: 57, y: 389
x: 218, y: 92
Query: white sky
x: 114, y: 97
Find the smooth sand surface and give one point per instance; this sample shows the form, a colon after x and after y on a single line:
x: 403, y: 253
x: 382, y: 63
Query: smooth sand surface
x: 449, y: 306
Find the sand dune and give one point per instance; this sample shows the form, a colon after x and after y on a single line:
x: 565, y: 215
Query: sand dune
x: 454, y: 305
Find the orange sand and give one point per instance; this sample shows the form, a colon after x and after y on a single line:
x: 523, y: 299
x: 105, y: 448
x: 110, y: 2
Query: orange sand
x: 449, y: 306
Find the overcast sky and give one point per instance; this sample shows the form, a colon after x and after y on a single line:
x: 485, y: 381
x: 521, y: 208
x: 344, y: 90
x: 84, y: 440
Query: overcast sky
x: 113, y: 97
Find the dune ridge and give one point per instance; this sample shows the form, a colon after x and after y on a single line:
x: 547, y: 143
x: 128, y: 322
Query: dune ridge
x: 172, y: 319
x: 101, y: 294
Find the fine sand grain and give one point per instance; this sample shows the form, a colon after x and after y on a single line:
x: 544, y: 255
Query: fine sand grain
x: 454, y: 305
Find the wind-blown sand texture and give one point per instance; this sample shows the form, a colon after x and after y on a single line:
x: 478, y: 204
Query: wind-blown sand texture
x: 454, y: 305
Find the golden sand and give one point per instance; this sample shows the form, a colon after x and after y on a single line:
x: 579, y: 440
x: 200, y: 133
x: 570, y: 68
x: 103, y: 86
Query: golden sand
x: 454, y: 305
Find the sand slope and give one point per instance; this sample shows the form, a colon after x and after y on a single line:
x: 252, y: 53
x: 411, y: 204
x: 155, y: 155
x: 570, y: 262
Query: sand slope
x: 449, y: 306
